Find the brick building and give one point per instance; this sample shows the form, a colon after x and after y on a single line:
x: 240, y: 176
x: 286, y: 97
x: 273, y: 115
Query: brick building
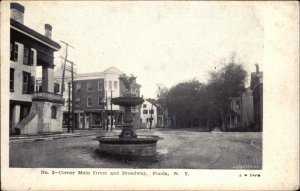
x: 93, y: 92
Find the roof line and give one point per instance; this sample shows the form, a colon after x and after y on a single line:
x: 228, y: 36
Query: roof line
x: 34, y: 37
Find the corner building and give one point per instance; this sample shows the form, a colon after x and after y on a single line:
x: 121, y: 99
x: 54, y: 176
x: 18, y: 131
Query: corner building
x: 32, y: 112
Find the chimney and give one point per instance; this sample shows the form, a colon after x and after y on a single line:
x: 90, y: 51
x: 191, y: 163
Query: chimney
x: 48, y: 30
x: 17, y: 12
x: 257, y: 68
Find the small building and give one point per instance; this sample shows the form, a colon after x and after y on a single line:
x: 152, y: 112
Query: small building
x: 234, y: 119
x: 240, y: 115
x: 149, y: 112
x: 32, y: 112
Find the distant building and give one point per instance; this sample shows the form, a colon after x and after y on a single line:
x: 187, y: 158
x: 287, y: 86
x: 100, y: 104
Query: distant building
x: 234, y: 120
x: 149, y: 110
x: 256, y: 86
x: 32, y: 112
x: 240, y: 115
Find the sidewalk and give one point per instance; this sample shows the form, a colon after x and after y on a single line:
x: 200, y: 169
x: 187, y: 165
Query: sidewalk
x: 53, y: 136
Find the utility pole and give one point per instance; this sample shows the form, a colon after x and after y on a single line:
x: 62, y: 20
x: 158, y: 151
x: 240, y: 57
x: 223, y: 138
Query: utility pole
x: 73, y: 96
x: 151, y: 111
x: 69, y: 107
x: 64, y: 67
x: 106, y: 111
x: 111, y: 112
x: 72, y: 70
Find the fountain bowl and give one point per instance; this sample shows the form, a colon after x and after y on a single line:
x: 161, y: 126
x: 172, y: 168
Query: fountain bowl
x: 142, y: 146
x: 127, y: 101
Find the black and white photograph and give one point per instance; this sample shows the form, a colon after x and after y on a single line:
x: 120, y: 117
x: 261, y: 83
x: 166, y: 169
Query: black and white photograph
x: 136, y: 85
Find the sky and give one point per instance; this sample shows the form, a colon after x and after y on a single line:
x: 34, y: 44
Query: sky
x: 159, y: 42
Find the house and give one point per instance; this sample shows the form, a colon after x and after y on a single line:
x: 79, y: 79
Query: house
x: 234, y: 114
x: 32, y: 112
x: 240, y: 115
x: 149, y: 111
x: 256, y: 86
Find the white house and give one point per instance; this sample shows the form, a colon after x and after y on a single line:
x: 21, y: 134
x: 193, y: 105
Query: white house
x: 148, y: 107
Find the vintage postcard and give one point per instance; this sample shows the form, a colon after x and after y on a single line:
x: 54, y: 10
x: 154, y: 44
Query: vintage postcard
x: 149, y: 95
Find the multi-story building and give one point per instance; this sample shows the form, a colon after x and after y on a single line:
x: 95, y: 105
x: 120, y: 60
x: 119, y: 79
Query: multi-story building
x: 93, y: 92
x: 89, y: 101
x: 240, y: 115
x: 31, y: 112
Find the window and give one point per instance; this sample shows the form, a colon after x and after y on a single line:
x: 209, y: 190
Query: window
x: 26, y: 56
x: 77, y: 102
x: 89, y: 86
x: 31, y: 60
x: 105, y: 86
x: 145, y: 111
x: 115, y: 84
x: 89, y: 102
x: 144, y: 105
x: 26, y: 77
x: 12, y: 79
x: 53, y: 112
x: 110, y: 85
x: 100, y: 101
x: 16, y: 52
x: 78, y: 87
x: 100, y: 86
x: 56, y: 88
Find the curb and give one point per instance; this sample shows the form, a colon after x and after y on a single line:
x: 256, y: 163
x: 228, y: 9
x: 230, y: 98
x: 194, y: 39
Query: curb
x: 47, y: 138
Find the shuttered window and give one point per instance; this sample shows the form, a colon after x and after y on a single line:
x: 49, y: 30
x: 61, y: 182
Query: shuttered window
x: 25, y: 83
x: 31, y: 60
x: 16, y: 52
x: 12, y: 79
x: 26, y: 56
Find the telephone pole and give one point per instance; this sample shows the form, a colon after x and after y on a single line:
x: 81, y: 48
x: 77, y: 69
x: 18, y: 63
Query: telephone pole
x: 73, y: 97
x: 69, y: 107
x: 72, y: 70
x: 64, y: 66
x: 151, y: 111
x: 111, y: 112
x: 106, y: 111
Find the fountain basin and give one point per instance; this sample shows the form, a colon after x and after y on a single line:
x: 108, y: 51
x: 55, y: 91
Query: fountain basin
x: 133, y: 147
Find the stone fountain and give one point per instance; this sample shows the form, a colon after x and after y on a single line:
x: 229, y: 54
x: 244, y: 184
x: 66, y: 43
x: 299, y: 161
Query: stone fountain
x: 128, y: 143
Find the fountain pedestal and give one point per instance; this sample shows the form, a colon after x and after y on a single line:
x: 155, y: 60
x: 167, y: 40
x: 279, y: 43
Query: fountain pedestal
x: 127, y: 131
x: 128, y: 143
